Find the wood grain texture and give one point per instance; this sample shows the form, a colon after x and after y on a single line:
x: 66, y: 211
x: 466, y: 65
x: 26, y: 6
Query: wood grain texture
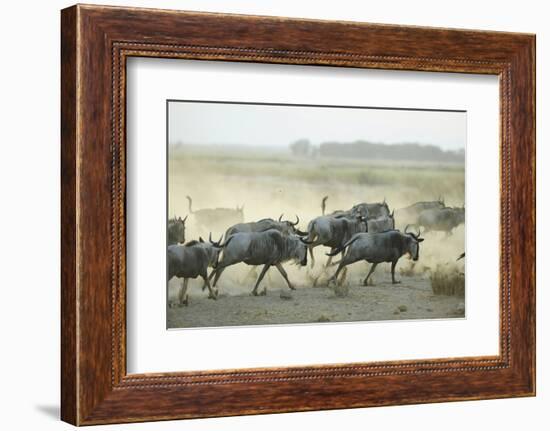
x: 69, y: 367
x: 96, y: 41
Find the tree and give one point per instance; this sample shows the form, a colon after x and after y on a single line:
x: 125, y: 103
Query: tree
x: 301, y: 148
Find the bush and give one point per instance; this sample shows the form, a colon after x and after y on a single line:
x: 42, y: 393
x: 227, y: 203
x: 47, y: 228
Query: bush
x: 447, y: 281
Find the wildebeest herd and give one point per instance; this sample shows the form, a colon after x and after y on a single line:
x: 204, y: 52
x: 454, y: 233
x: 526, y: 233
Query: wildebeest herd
x: 365, y: 232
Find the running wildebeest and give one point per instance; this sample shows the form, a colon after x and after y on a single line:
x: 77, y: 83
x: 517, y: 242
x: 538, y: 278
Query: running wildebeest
x: 361, y: 209
x: 176, y: 230
x: 211, y: 218
x: 333, y: 232
x: 192, y: 260
x: 381, y: 224
x: 441, y: 219
x: 268, y: 248
x: 410, y: 214
x: 372, y: 210
x: 285, y: 226
x: 376, y: 248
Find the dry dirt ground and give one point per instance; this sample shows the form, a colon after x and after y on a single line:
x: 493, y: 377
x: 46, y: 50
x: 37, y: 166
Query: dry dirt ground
x: 411, y: 299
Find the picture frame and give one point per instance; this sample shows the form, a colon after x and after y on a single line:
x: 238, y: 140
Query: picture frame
x: 96, y: 42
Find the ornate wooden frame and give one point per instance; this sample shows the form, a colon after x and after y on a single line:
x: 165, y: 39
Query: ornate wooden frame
x: 95, y: 43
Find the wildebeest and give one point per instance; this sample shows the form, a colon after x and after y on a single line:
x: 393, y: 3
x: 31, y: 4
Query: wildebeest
x: 176, y: 230
x: 284, y: 226
x: 376, y: 248
x: 410, y: 214
x: 355, y: 210
x: 369, y: 211
x: 333, y: 231
x: 211, y: 218
x: 381, y: 224
x: 267, y: 248
x: 192, y: 260
x: 372, y: 211
x: 441, y: 219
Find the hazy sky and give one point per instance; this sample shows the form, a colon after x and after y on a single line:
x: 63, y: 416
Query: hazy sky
x: 215, y: 123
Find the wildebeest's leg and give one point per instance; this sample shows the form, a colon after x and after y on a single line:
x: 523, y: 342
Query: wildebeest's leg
x: 211, y: 294
x: 341, y: 257
x: 212, y: 274
x: 183, y: 298
x: 393, y: 272
x: 264, y: 270
x: 217, y: 274
x: 343, y: 276
x: 335, y: 276
x: 310, y: 248
x: 372, y: 268
x: 285, y: 276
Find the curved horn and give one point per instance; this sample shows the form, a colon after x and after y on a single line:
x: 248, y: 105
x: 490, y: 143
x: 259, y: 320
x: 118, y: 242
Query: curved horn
x: 406, y: 228
x: 305, y: 241
x: 215, y: 244
x: 281, y: 217
x: 297, y: 220
x: 185, y: 218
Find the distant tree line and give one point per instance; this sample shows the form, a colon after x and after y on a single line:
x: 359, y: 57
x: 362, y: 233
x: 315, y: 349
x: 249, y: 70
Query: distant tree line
x: 304, y: 148
x: 376, y: 151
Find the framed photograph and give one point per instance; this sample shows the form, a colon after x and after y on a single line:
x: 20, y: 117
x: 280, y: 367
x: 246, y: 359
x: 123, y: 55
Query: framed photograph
x: 323, y: 214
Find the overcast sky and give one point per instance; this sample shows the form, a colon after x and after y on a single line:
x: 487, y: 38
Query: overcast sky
x: 214, y: 123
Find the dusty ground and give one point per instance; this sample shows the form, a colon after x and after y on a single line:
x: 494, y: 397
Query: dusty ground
x: 412, y: 299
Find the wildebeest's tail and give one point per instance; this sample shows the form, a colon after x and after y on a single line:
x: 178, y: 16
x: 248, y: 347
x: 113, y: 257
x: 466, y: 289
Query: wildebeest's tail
x: 219, y: 244
x: 222, y: 249
x: 311, y: 234
x: 342, y: 248
x: 190, y: 203
x: 227, y: 241
x: 324, y: 204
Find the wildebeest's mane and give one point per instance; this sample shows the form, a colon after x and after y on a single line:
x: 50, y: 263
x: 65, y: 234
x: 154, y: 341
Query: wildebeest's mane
x: 192, y: 243
x: 399, y: 241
